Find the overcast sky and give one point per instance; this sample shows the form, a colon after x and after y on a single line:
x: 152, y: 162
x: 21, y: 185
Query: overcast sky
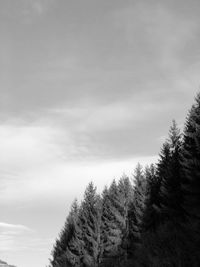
x: 87, y: 89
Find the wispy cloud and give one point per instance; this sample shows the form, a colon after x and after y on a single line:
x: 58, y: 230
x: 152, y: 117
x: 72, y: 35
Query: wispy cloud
x: 17, y: 227
x: 40, y: 159
x: 18, y: 239
x: 27, y: 146
x: 10, y: 233
x: 87, y: 89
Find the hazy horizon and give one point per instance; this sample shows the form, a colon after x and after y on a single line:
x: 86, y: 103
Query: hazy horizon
x: 87, y: 90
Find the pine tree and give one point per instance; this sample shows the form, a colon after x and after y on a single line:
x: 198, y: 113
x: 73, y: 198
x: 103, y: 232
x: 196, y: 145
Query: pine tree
x: 136, y: 210
x: 164, y: 215
x: 66, y: 236
x: 112, y: 223
x: 125, y: 196
x: 190, y: 162
x: 170, y: 189
x: 75, y: 249
x: 140, y: 193
x: 90, y: 224
x: 155, y: 223
x: 108, y: 223
x: 153, y: 185
x: 147, y: 254
x: 161, y: 174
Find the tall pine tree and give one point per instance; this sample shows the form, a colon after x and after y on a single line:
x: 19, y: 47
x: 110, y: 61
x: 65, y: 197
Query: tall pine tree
x: 136, y: 210
x: 125, y: 195
x: 191, y: 162
x: 191, y: 179
x: 67, y: 235
x: 112, y: 221
x: 90, y: 224
x: 170, y: 195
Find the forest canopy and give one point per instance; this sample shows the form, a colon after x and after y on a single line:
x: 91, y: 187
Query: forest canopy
x: 151, y: 219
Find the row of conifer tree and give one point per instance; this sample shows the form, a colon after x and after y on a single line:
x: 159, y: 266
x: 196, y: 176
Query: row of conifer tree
x: 150, y: 220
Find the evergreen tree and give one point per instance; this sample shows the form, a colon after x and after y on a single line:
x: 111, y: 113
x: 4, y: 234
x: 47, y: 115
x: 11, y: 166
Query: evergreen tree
x: 139, y: 198
x: 75, y: 249
x: 170, y: 189
x: 153, y: 209
x: 155, y: 223
x: 112, y: 222
x: 125, y: 196
x: 136, y: 210
x: 151, y: 220
x: 162, y: 172
x: 153, y: 184
x: 90, y: 225
x: 66, y: 236
x: 164, y: 215
x: 108, y: 223
x: 190, y: 162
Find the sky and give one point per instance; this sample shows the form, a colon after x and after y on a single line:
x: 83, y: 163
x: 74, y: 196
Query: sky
x: 87, y: 89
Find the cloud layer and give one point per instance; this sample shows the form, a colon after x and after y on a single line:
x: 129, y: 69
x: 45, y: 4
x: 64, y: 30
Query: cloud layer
x: 87, y: 89
x: 18, y: 241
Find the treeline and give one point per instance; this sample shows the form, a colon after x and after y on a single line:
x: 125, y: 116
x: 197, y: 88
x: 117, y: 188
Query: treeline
x: 152, y: 220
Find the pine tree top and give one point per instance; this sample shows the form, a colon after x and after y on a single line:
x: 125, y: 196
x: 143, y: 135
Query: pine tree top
x: 174, y: 135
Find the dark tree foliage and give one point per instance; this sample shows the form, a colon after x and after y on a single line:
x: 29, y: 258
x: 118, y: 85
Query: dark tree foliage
x: 126, y: 196
x: 90, y: 226
x: 136, y: 211
x: 153, y: 185
x: 66, y: 236
x: 152, y: 214
x: 164, y: 184
x: 154, y: 222
x: 191, y: 176
x: 163, y: 206
x: 111, y: 226
x: 170, y: 195
x: 191, y: 162
x: 115, y: 204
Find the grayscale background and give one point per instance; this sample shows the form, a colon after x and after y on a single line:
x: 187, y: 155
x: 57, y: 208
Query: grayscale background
x: 87, y: 89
